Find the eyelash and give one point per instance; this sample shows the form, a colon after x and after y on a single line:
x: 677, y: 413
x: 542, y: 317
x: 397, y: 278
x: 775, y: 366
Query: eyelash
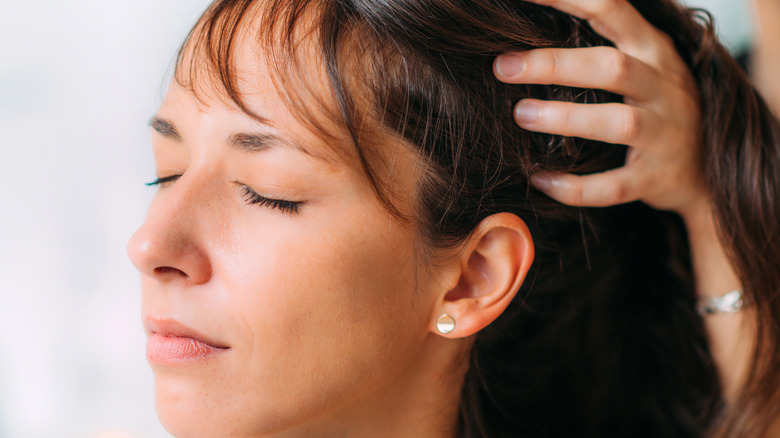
x: 250, y: 196
x: 164, y: 180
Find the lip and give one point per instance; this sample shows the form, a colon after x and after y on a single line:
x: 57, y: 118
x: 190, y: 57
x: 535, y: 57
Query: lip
x: 170, y: 342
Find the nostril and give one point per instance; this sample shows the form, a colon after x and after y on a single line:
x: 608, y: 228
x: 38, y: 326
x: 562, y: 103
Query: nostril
x: 168, y: 252
x: 168, y: 270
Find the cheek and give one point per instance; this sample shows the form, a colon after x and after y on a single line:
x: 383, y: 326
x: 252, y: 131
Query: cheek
x: 325, y: 309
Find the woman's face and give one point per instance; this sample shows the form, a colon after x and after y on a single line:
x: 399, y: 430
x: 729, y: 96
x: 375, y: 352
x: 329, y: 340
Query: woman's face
x: 277, y: 290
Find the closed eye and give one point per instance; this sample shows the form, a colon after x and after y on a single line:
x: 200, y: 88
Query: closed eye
x: 253, y: 198
x: 250, y: 196
x: 163, y: 180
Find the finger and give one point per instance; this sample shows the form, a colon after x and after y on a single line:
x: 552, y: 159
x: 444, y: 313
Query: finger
x: 616, y: 20
x: 608, y: 122
x: 606, y: 68
x: 619, y: 22
x: 616, y: 186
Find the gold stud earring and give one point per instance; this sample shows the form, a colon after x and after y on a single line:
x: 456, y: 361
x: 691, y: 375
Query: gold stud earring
x: 445, y: 324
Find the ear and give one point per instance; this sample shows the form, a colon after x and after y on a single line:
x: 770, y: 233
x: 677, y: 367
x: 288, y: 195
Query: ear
x: 491, y: 268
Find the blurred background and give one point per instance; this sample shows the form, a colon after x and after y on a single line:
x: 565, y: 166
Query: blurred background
x: 79, y: 81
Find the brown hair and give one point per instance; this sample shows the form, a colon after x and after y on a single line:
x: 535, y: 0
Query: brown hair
x: 602, y: 339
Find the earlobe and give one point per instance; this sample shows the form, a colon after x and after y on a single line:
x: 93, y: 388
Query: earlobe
x: 492, y: 266
x: 445, y: 324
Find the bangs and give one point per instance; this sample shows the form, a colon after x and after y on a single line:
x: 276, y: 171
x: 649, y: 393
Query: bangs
x: 320, y: 60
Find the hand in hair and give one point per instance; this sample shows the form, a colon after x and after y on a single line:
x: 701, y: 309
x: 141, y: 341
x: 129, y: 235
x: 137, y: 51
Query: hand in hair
x: 660, y: 118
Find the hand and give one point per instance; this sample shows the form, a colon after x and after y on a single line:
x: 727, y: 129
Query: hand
x: 660, y: 118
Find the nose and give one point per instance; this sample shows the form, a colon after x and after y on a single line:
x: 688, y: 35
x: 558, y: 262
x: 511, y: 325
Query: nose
x: 170, y: 245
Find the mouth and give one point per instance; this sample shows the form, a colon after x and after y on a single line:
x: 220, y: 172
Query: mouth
x: 173, y: 343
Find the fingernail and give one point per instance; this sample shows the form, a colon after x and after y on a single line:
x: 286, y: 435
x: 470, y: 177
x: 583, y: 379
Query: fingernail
x: 542, y: 181
x: 510, y: 66
x: 526, y: 112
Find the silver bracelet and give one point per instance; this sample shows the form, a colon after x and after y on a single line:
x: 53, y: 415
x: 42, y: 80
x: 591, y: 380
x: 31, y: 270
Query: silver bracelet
x: 728, y: 303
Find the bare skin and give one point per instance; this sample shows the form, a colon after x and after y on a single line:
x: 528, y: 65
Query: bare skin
x: 318, y: 316
x: 766, y: 63
x: 312, y: 340
x: 659, y: 121
x: 765, y: 68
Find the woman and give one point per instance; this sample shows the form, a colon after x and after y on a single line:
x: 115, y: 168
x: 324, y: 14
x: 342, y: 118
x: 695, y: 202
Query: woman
x: 346, y: 241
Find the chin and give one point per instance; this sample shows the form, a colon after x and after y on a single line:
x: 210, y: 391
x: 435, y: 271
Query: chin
x: 186, y: 410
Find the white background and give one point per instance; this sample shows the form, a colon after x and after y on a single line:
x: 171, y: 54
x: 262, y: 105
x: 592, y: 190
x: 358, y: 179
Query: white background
x: 79, y: 80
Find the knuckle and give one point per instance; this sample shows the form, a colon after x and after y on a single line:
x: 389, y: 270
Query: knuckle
x: 600, y: 8
x: 616, y: 194
x: 568, y: 120
x: 631, y: 125
x: 553, y: 64
x: 605, y: 6
x: 542, y: 65
x: 618, y: 65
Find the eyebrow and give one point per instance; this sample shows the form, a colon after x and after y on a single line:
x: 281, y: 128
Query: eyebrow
x: 244, y: 142
x: 166, y: 128
x: 253, y: 142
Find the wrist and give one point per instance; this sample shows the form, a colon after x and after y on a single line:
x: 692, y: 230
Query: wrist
x: 714, y: 275
x: 730, y: 302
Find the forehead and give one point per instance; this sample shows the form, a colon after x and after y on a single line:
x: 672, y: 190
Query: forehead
x: 233, y: 59
x: 184, y: 119
x: 273, y: 53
